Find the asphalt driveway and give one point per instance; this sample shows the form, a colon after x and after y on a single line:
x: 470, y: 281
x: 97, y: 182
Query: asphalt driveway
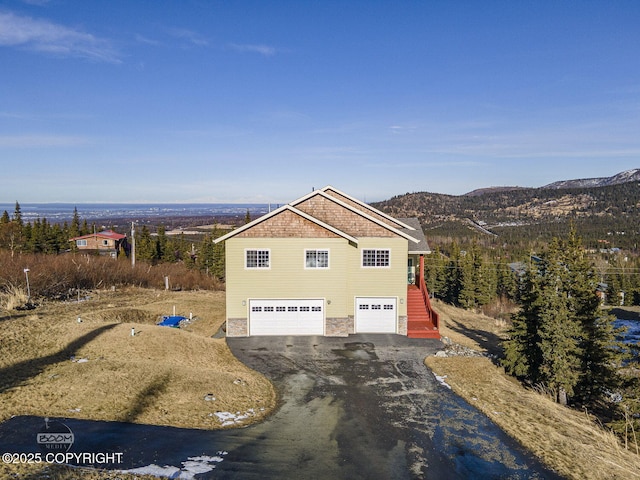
x: 367, y: 407
x: 363, y: 407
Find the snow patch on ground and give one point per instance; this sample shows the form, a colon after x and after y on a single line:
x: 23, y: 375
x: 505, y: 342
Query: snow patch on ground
x: 190, y: 468
x: 228, y: 418
x: 442, y: 380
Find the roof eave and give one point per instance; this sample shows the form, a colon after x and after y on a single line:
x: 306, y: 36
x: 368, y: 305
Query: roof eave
x: 368, y: 207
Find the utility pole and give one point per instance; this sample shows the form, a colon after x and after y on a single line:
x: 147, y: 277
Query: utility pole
x: 26, y: 274
x: 133, y: 245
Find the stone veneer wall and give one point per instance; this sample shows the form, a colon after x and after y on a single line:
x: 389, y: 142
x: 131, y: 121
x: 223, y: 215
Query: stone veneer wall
x: 237, y: 327
x: 336, y: 327
x: 402, y: 325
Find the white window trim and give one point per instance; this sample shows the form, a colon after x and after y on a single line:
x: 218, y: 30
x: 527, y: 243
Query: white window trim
x: 257, y: 267
x: 81, y: 243
x: 304, y: 259
x: 377, y: 250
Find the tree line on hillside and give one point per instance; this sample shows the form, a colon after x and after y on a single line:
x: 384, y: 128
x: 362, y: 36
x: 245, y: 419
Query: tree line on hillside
x: 468, y: 278
x: 561, y: 341
x: 474, y: 271
x: 41, y: 236
x: 602, y: 214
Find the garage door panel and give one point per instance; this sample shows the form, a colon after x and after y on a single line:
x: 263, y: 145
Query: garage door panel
x: 375, y: 315
x: 286, y: 317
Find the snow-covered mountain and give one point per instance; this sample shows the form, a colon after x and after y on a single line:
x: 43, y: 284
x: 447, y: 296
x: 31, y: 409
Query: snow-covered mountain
x: 632, y: 175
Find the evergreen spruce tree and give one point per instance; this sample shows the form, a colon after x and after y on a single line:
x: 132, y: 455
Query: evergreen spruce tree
x: 162, y: 252
x: 559, y: 330
x: 145, y: 245
x: 5, y: 230
x: 506, y: 283
x: 205, y: 258
x: 522, y: 349
x: 17, y: 215
x: 435, y: 273
x: 454, y: 275
x: 477, y: 280
x: 601, y: 353
x: 468, y: 276
x: 74, y: 229
x: 26, y: 237
x: 219, y: 260
x: 560, y: 339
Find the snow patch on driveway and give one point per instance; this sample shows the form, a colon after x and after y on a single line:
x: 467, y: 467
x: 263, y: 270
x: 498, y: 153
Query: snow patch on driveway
x: 190, y: 468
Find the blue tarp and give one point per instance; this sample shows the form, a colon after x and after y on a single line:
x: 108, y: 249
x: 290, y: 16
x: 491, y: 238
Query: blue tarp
x: 172, y: 321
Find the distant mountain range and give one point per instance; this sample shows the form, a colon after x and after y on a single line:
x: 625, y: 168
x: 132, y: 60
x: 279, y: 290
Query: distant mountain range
x: 622, y: 177
x: 599, y: 207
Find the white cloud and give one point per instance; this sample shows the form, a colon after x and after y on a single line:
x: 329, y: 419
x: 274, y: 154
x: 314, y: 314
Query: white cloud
x: 41, y: 141
x: 190, y: 36
x: 47, y: 37
x: 147, y: 41
x: 265, y: 50
x: 38, y: 3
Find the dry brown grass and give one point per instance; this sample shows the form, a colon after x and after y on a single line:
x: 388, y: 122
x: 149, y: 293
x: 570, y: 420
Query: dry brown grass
x: 61, y: 472
x: 13, y: 297
x: 470, y: 329
x: 160, y: 376
x: 570, y: 442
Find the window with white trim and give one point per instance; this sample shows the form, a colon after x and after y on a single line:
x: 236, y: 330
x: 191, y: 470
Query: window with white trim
x: 376, y: 257
x: 81, y: 243
x: 257, y: 258
x: 316, y: 258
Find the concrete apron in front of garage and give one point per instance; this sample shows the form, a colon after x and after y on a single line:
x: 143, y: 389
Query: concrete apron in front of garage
x: 362, y: 407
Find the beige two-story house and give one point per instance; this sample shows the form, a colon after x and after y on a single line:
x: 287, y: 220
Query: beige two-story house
x: 327, y: 264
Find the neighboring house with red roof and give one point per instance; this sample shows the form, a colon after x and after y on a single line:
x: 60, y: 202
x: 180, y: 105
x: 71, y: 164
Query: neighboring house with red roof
x: 106, y: 242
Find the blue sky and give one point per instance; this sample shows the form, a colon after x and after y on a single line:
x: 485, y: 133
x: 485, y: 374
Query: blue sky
x: 260, y: 101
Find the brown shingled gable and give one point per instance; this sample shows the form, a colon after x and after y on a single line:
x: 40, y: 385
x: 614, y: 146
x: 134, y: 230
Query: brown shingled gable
x: 342, y: 218
x: 287, y: 224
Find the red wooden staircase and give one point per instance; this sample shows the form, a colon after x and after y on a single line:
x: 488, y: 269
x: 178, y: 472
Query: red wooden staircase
x: 422, y: 319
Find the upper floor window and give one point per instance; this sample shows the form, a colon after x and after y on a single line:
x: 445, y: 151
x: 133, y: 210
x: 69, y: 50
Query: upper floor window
x: 376, y: 257
x: 81, y: 243
x: 257, y: 258
x: 316, y: 259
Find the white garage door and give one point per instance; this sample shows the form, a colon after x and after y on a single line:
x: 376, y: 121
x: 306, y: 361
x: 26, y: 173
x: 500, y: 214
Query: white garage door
x: 286, y: 317
x: 375, y: 315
